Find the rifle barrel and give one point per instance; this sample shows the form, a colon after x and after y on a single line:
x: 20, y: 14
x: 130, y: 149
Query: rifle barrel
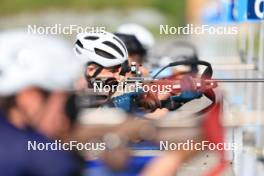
x: 239, y: 80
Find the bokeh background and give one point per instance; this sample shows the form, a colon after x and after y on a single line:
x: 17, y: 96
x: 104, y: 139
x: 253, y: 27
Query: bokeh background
x: 235, y: 56
x: 151, y: 13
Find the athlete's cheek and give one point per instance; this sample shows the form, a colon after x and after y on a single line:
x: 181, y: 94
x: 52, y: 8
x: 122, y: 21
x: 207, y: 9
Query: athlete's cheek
x: 30, y: 101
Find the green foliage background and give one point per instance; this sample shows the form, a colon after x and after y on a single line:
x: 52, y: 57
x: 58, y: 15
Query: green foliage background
x: 174, y: 10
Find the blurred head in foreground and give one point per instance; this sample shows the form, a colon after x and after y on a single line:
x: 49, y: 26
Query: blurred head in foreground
x: 35, y: 73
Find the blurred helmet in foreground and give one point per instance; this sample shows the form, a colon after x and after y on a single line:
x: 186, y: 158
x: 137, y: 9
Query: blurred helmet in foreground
x: 32, y: 60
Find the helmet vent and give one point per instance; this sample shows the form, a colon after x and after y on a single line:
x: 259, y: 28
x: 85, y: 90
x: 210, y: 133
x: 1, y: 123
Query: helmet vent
x: 79, y: 43
x: 91, y: 38
x: 78, y: 51
x: 104, y: 53
x: 121, y: 43
x: 112, y: 45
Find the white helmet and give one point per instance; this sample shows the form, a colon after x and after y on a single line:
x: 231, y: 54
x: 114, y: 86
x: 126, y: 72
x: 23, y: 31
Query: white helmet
x: 141, y: 33
x: 32, y: 60
x: 103, y: 48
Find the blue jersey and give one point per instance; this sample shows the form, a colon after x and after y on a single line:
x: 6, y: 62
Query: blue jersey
x: 17, y: 160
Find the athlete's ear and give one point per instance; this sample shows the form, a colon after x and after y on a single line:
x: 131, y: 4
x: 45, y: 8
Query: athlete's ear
x: 90, y: 69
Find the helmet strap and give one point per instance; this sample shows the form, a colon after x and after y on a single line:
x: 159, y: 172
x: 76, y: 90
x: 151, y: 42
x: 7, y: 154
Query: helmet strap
x: 96, y: 73
x: 124, y: 68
